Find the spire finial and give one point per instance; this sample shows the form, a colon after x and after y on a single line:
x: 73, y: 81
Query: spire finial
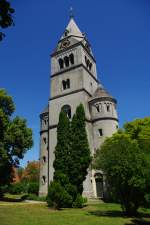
x: 71, y: 12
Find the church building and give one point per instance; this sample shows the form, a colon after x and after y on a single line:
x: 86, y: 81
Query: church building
x: 73, y: 81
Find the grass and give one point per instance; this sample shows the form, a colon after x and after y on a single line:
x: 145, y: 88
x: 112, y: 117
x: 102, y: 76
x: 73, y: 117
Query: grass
x: 94, y: 214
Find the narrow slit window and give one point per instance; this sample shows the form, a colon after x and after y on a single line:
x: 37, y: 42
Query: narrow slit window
x: 108, y: 108
x: 44, y: 159
x: 97, y: 108
x: 90, y: 66
x: 43, y: 179
x: 100, y: 132
x: 44, y: 140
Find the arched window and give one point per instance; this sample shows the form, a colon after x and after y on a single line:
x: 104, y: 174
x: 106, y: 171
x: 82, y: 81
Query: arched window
x: 87, y: 63
x: 44, y: 140
x: 43, y: 179
x: 44, y: 159
x: 90, y: 66
x: 108, y: 107
x: 71, y: 57
x: 66, y: 60
x: 67, y: 110
x: 97, y: 107
x: 61, y: 63
x: 66, y: 84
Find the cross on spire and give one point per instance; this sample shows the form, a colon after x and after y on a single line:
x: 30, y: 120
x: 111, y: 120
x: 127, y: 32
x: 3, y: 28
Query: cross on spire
x: 71, y: 12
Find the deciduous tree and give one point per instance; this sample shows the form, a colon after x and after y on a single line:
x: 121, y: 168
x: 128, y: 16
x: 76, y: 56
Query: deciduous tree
x: 15, y: 138
x: 126, y: 166
x: 6, y: 16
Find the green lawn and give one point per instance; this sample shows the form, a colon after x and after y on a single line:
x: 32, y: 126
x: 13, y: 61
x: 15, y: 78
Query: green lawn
x: 94, y: 214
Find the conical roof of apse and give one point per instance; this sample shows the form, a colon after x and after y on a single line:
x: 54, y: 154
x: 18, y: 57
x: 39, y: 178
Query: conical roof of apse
x: 46, y: 109
x: 101, y: 92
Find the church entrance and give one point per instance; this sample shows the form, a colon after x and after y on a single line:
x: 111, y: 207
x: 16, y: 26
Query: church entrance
x: 99, y: 185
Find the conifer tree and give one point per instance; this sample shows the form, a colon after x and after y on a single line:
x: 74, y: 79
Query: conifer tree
x: 79, y: 152
x: 63, y: 146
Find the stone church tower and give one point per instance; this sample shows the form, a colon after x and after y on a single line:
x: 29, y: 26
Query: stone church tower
x: 74, y: 81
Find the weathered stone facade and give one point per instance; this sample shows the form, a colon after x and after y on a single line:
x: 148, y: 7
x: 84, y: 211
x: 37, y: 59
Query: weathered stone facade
x: 74, y: 81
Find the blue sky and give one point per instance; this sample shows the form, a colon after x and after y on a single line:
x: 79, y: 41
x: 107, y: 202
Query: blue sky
x: 119, y: 32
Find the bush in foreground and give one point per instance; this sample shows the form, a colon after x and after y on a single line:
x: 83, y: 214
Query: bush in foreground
x: 127, y: 170
x: 33, y: 188
x: 58, y: 197
x: 79, y: 202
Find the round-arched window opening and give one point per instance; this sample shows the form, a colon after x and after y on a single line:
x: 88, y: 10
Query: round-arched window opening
x: 44, y: 159
x: 66, y: 60
x: 61, y: 63
x: 67, y: 110
x: 71, y: 57
x: 43, y: 179
x: 90, y: 66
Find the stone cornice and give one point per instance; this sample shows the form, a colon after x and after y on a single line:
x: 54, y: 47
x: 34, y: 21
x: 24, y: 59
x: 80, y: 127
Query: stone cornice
x: 70, y: 93
x: 71, y: 47
x: 74, y: 67
x: 100, y: 99
x: 90, y: 121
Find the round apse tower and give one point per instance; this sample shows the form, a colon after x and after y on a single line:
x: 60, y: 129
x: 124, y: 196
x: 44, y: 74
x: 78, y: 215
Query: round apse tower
x: 104, y: 115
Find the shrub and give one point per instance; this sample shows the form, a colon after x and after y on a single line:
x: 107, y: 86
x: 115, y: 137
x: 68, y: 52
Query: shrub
x: 3, y: 189
x: 16, y: 188
x: 72, y: 190
x: 33, y: 188
x: 58, y: 197
x: 35, y: 197
x: 79, y: 202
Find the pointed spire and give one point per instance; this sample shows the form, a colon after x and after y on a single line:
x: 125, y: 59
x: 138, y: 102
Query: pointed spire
x: 72, y: 29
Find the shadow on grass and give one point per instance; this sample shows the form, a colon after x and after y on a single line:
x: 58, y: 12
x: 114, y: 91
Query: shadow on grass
x: 113, y: 213
x: 138, y: 222
x: 7, y: 199
x: 118, y: 213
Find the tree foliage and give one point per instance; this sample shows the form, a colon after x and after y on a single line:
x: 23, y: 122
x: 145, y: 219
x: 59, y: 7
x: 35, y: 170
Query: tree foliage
x: 6, y: 16
x: 72, y: 159
x: 139, y: 130
x: 80, y: 152
x: 63, y: 145
x: 15, y: 138
x: 31, y: 172
x: 125, y: 164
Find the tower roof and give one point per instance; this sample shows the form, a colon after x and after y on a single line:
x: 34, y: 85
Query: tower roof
x: 46, y: 109
x: 102, y: 93
x: 72, y: 29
